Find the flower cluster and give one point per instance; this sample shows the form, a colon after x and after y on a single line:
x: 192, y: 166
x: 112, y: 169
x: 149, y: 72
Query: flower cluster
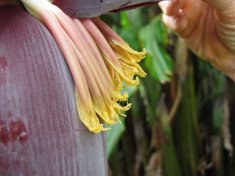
x: 100, y: 62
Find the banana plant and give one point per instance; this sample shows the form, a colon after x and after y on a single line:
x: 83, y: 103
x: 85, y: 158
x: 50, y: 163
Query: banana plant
x: 61, y: 77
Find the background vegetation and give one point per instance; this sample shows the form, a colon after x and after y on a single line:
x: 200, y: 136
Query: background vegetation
x: 181, y: 122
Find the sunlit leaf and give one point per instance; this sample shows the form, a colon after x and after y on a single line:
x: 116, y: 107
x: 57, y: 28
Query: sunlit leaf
x: 158, y: 62
x: 113, y: 136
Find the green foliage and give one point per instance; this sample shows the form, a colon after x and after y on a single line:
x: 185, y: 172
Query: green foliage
x: 169, y: 156
x: 174, y: 126
x: 154, y: 39
x: 186, y: 128
x: 113, y: 136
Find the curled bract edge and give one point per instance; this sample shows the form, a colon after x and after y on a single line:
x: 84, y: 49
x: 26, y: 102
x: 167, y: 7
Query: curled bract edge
x: 94, y: 8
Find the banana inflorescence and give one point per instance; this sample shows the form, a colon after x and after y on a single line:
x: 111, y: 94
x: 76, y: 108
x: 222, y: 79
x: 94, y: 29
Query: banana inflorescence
x: 100, y: 62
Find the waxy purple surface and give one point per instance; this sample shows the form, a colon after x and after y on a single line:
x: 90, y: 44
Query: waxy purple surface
x: 40, y: 134
x: 93, y: 8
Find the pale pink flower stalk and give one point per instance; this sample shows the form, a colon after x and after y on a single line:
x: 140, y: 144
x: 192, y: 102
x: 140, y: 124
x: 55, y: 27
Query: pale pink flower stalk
x: 101, y: 63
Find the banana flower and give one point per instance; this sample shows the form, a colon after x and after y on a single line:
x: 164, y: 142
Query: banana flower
x: 100, y: 62
x: 55, y: 68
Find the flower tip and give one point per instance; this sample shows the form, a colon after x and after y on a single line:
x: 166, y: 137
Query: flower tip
x: 129, y: 106
x: 144, y: 51
x: 110, y: 122
x: 119, y: 121
x: 143, y: 74
x: 106, y: 129
x: 97, y: 129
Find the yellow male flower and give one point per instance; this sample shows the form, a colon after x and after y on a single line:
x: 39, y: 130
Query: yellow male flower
x: 100, y: 62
